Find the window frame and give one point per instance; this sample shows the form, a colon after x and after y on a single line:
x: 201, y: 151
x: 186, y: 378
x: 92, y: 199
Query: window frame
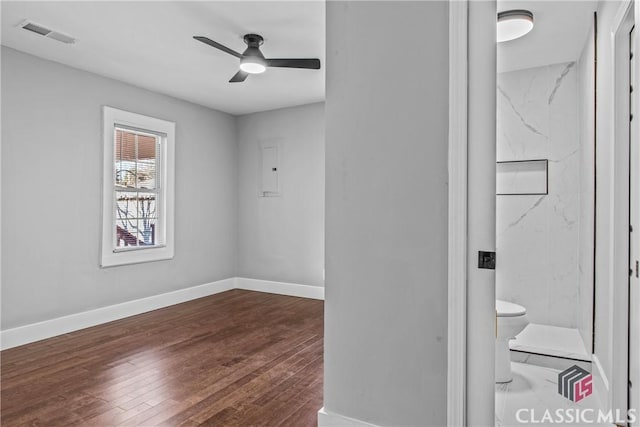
x: 165, y: 131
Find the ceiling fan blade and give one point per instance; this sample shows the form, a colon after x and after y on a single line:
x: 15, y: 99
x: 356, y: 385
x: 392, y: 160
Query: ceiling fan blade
x: 313, y: 64
x: 217, y: 45
x: 240, y: 76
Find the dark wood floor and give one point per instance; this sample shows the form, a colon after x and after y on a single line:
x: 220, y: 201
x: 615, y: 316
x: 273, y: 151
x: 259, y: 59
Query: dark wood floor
x: 237, y: 358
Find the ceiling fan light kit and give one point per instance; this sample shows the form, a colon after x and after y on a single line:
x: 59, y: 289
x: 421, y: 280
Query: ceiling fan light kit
x: 252, y: 61
x: 252, y: 65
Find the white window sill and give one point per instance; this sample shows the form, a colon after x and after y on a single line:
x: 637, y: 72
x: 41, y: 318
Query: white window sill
x: 159, y: 253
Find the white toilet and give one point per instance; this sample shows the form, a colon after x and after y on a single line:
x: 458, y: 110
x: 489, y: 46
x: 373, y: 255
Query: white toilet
x: 511, y: 319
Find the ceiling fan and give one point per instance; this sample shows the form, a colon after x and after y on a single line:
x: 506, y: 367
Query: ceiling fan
x: 252, y: 61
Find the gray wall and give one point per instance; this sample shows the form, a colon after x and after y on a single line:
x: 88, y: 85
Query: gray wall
x: 51, y: 198
x: 386, y: 212
x: 282, y: 238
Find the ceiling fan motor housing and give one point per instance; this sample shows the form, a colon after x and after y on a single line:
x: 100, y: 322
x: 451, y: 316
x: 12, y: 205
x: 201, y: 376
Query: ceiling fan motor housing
x: 253, y: 40
x: 252, y: 52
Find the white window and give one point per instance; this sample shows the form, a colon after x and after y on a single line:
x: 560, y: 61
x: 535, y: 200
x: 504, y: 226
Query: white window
x: 138, y: 189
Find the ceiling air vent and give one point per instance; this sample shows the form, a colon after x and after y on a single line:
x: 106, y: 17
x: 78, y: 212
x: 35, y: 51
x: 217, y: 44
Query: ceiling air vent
x: 47, y: 32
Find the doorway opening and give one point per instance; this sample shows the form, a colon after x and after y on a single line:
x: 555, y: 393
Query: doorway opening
x: 545, y: 204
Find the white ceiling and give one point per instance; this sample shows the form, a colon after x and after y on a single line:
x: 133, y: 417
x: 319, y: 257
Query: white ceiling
x: 150, y: 44
x: 559, y: 34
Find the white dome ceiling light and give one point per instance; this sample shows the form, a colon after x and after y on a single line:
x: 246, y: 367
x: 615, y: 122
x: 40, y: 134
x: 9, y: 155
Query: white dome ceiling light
x: 513, y: 24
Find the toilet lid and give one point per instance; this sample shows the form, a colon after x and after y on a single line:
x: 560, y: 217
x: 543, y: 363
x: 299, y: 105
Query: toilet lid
x: 509, y: 309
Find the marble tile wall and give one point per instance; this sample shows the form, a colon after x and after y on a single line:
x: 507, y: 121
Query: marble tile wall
x: 538, y: 235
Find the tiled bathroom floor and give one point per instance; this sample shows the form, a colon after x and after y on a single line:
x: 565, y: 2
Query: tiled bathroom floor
x: 535, y: 388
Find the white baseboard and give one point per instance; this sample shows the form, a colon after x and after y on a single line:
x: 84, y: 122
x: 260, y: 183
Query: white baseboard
x: 282, y: 288
x: 330, y: 419
x: 62, y: 325
x: 600, y: 384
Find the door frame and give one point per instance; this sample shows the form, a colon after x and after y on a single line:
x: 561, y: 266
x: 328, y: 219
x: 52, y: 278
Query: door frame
x: 619, y: 273
x: 472, y: 157
x: 634, y: 140
x: 457, y: 256
x: 469, y: 347
x: 633, y: 399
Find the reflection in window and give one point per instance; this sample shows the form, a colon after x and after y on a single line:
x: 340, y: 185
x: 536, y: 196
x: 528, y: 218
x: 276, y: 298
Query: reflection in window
x: 137, y: 191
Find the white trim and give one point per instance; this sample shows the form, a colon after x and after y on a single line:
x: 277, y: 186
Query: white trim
x: 619, y: 257
x: 600, y: 383
x: 619, y: 17
x: 62, y: 325
x: 330, y: 419
x: 600, y: 372
x: 457, y: 256
x: 109, y: 257
x: 481, y: 212
x: 634, y: 331
x: 281, y: 288
x: 73, y: 322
